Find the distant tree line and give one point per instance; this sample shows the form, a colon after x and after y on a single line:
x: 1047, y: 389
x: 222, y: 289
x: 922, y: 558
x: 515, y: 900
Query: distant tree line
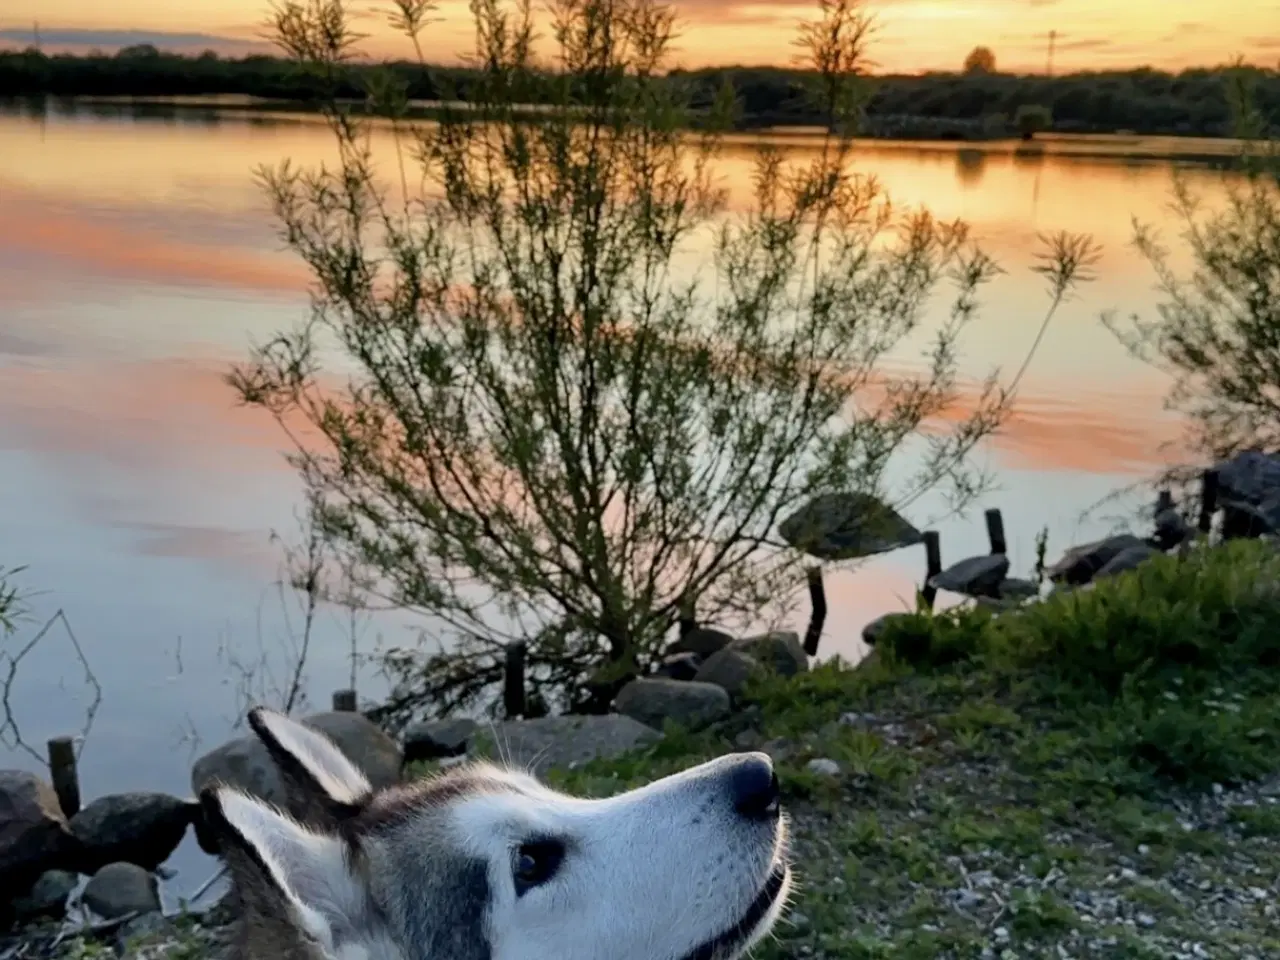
x: 974, y: 103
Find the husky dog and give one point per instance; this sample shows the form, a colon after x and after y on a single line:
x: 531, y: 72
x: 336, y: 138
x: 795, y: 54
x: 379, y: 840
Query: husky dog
x: 484, y: 863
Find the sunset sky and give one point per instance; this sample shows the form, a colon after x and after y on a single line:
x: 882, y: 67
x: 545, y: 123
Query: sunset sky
x: 915, y: 35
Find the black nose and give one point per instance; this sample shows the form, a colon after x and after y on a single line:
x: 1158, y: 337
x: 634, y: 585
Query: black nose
x: 754, y: 787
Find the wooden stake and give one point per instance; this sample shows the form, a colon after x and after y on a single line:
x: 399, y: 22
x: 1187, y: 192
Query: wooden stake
x: 513, y: 680
x: 932, y: 565
x: 995, y: 531
x: 65, y: 775
x: 344, y: 701
x: 818, y: 610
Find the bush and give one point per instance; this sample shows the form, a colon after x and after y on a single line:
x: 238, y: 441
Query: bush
x: 1032, y: 118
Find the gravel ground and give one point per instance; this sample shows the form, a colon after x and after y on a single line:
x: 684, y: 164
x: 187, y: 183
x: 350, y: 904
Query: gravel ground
x: 962, y: 857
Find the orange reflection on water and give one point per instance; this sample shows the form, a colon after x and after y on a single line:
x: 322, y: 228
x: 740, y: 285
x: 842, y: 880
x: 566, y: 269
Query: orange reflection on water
x: 85, y: 244
x: 181, y: 411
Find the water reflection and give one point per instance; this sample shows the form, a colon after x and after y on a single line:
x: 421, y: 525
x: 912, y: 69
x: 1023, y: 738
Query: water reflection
x: 139, y: 260
x: 970, y: 165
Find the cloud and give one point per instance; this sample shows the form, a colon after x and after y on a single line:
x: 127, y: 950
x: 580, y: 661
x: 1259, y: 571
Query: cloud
x: 115, y: 39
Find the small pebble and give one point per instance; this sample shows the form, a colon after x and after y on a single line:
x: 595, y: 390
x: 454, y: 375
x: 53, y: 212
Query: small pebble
x: 823, y: 767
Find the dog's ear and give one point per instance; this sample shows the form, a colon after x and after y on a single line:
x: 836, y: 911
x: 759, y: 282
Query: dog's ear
x: 283, y: 870
x: 317, y: 774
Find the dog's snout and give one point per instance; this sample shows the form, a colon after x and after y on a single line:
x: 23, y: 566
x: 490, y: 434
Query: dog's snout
x: 754, y: 787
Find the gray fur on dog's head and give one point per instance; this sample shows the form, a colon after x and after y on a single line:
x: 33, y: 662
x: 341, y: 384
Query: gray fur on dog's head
x: 484, y: 863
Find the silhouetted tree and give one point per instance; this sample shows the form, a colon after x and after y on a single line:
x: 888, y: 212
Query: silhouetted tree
x: 1032, y: 118
x: 980, y: 60
x: 1217, y: 329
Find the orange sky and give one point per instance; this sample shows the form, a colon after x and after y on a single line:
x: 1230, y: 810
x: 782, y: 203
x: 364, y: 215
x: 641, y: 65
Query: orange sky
x: 915, y: 35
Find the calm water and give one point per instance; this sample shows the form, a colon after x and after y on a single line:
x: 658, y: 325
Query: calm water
x: 137, y: 260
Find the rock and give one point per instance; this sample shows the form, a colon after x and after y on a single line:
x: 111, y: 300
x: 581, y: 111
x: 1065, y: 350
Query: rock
x: 245, y: 763
x: 680, y: 666
x: 1170, y: 528
x: 823, y: 767
x: 874, y: 630
x: 139, y: 828
x: 1127, y: 559
x: 33, y: 832
x: 119, y: 889
x: 703, y: 641
x: 691, y: 704
x: 1079, y: 564
x: 434, y: 739
x: 730, y: 669
x: 844, y: 526
x: 974, y: 576
x: 1241, y: 519
x: 1249, y: 477
x: 570, y: 741
x: 780, y: 651
x: 1015, y: 588
x: 47, y: 897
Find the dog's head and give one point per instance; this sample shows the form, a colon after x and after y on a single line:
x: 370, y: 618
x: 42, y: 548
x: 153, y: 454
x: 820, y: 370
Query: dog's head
x: 488, y: 864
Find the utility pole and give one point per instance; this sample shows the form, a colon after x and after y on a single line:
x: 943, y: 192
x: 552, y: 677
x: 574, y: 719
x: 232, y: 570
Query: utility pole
x: 1048, y: 63
x: 35, y: 33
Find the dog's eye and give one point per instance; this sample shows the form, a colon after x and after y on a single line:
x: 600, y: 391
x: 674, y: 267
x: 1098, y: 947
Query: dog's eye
x: 536, y: 862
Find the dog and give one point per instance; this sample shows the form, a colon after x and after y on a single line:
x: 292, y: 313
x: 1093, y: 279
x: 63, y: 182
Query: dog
x: 487, y: 863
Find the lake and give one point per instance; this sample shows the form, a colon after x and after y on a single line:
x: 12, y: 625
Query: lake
x: 138, y: 260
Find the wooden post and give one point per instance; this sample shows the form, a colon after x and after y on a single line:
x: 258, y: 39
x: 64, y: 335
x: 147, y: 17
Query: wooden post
x: 344, y: 701
x: 818, y: 610
x: 688, y: 617
x: 1208, y: 499
x: 995, y: 531
x: 932, y: 565
x: 513, y: 681
x: 63, y: 773
x: 1164, y: 501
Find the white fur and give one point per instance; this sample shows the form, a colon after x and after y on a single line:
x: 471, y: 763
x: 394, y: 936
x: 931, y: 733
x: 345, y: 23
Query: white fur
x: 308, y: 868
x: 649, y: 875
x: 337, y: 776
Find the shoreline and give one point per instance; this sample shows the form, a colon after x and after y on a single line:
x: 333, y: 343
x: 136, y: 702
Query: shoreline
x: 1122, y: 146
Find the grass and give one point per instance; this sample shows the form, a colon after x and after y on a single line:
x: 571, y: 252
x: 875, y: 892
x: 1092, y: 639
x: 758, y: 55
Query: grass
x: 1084, y: 777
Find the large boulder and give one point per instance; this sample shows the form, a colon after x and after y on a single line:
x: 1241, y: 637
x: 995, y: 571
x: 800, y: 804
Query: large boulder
x: 845, y: 526
x: 1249, y: 477
x: 138, y: 828
x: 679, y: 666
x: 1016, y: 588
x: 730, y: 669
x: 121, y: 889
x: 565, y: 742
x: 1127, y: 559
x: 245, y: 764
x: 780, y: 651
x: 33, y: 832
x: 974, y: 576
x: 433, y: 739
x: 1242, y: 519
x: 690, y: 704
x: 702, y: 642
x: 1080, y: 564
